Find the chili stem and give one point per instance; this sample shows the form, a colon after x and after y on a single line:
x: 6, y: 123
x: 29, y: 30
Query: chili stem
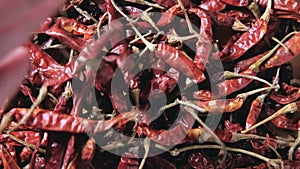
x: 210, y: 132
x: 239, y: 26
x: 292, y: 107
x: 25, y: 143
x: 228, y: 75
x: 294, y: 145
x: 100, y: 23
x: 266, y: 14
x: 147, y: 18
x: 85, y: 14
x: 280, y: 43
x: 149, y: 45
x: 272, y: 162
x: 255, y: 66
x: 42, y: 94
x: 188, y: 21
x: 142, y: 2
x: 147, y: 148
x: 138, y: 38
x: 245, y: 95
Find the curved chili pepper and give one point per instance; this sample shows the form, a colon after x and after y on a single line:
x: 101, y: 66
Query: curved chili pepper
x: 222, y: 19
x: 203, y: 45
x: 178, y: 60
x: 167, y: 137
x: 286, y: 123
x: 282, y: 99
x: 25, y: 155
x: 65, y: 38
x: 247, y: 40
x: 236, y: 2
x: 168, y: 16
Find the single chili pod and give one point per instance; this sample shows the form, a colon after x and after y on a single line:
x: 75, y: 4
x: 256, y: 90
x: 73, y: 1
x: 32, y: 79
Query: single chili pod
x: 180, y: 61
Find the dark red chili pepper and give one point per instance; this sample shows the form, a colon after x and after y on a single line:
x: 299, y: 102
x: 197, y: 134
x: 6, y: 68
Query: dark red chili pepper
x: 87, y: 154
x: 284, y: 5
x: 129, y: 160
x: 284, y: 99
x: 236, y: 2
x: 203, y: 45
x: 178, y: 60
x: 286, y: 123
x: 222, y: 19
x: 212, y: 5
x: 171, y: 136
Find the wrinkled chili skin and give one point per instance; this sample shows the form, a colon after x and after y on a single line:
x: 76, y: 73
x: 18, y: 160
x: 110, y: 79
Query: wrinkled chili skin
x: 282, y: 55
x: 174, y: 58
x: 254, y: 112
x: 236, y: 2
x: 212, y: 5
x: 247, y: 40
x: 203, y: 45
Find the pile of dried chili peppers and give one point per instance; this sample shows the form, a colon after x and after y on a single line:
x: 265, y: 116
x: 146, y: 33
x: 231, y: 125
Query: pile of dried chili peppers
x: 71, y: 112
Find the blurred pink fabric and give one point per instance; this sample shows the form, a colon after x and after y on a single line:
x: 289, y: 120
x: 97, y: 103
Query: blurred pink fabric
x: 18, y: 19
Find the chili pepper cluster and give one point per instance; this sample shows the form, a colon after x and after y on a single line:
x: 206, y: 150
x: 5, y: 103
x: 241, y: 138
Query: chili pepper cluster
x: 67, y: 106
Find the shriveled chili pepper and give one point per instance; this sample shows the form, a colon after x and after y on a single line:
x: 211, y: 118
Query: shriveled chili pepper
x: 87, y: 154
x: 178, y: 60
x: 282, y: 55
x: 7, y: 160
x: 48, y: 120
x: 212, y: 5
x: 284, y: 99
x: 203, y: 45
x: 284, y: 5
x: 236, y: 2
x: 254, y: 111
x: 167, y: 137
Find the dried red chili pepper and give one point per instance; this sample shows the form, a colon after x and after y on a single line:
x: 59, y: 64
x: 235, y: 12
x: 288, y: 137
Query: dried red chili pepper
x: 249, y: 38
x: 168, y: 137
x: 7, y: 160
x: 168, y: 16
x: 203, y: 45
x: 220, y: 106
x: 284, y: 99
x: 178, y: 60
x: 254, y: 111
x: 48, y: 120
x: 212, y: 5
x: 282, y: 55
x: 236, y: 2
x: 87, y: 154
x: 284, y: 5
